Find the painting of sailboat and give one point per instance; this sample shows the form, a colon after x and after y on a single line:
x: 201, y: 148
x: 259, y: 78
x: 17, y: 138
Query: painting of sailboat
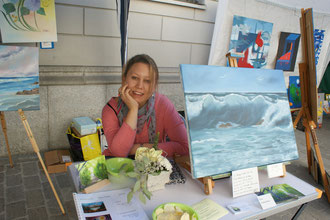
x: 237, y: 118
x: 19, y: 78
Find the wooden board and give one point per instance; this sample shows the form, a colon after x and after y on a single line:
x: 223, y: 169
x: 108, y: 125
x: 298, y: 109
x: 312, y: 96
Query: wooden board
x: 310, y: 59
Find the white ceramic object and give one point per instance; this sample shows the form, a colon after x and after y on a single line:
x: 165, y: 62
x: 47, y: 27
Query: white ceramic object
x: 158, y: 182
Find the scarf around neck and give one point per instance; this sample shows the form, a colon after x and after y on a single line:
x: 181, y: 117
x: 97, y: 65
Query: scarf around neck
x: 146, y: 114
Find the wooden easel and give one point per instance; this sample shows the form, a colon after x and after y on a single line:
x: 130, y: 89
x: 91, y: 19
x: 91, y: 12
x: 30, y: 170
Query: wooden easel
x: 306, y: 70
x: 34, y: 146
x: 184, y: 162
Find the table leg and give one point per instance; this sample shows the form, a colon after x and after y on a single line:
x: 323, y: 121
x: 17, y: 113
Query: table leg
x: 301, y: 208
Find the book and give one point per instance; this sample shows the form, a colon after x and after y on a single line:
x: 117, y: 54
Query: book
x: 207, y: 209
x: 91, y: 172
x: 108, y: 205
x: 281, y: 193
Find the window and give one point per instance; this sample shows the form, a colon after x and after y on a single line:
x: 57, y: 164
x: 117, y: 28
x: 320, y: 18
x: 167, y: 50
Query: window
x: 199, y: 4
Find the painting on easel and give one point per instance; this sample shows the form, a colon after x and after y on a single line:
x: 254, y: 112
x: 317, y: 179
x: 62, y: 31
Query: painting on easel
x: 294, y: 92
x: 19, y: 78
x: 237, y: 118
x: 252, y: 38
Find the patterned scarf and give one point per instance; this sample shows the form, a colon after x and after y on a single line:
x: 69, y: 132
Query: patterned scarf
x: 146, y: 114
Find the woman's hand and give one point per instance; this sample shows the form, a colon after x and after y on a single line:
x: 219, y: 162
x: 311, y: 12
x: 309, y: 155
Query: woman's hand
x: 127, y: 98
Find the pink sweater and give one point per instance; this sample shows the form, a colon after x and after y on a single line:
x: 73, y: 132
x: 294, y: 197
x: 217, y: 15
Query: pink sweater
x: 168, y: 122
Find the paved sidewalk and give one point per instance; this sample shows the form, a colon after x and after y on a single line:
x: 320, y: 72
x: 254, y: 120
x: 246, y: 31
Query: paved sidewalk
x: 26, y: 194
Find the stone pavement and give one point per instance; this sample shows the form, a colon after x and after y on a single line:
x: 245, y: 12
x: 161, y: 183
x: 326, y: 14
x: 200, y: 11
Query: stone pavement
x: 26, y: 194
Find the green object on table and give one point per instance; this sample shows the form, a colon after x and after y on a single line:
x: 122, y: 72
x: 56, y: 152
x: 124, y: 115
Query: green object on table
x: 185, y: 208
x: 115, y: 164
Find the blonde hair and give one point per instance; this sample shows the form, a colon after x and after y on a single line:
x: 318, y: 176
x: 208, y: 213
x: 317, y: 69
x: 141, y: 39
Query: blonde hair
x: 146, y: 59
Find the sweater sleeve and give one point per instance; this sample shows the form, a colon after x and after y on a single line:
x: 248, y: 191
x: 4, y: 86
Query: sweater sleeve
x: 120, y: 139
x: 174, y: 128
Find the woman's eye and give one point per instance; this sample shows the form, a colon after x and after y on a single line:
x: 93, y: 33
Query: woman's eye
x: 147, y: 81
x: 134, y: 77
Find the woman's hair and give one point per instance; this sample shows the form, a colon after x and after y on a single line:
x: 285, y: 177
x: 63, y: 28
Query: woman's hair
x: 143, y: 58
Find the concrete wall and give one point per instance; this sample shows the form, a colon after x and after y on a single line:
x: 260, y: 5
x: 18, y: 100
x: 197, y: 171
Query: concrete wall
x: 284, y: 19
x: 82, y: 73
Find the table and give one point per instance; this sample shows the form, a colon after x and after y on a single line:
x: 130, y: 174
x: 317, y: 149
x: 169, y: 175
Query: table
x: 193, y: 192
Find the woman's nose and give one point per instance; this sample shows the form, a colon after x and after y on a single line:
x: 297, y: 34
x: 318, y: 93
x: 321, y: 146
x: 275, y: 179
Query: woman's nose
x: 139, y: 84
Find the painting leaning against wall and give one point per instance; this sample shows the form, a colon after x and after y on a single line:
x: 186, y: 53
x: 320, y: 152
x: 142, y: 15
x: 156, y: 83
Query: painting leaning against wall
x: 252, y: 38
x: 19, y: 78
x: 237, y: 118
x: 27, y: 21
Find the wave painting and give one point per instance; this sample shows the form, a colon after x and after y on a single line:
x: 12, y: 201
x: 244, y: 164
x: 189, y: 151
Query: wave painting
x: 19, y: 78
x: 236, y: 130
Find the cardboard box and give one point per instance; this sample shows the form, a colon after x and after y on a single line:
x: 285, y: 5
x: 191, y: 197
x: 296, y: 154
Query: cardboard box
x: 84, y: 125
x: 57, y: 161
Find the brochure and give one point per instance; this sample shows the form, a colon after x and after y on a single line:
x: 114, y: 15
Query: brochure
x: 108, y: 205
x: 281, y: 193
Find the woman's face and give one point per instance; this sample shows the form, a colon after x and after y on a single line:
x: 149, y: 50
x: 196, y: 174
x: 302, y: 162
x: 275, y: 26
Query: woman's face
x: 139, y: 82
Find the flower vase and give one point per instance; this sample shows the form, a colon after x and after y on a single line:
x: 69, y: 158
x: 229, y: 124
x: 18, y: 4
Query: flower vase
x: 158, y: 182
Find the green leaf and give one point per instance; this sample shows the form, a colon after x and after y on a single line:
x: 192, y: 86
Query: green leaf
x: 146, y: 192
x: 25, y: 11
x: 129, y: 196
x: 9, y: 7
x: 142, y: 198
x: 137, y: 186
x: 41, y: 11
x: 132, y: 174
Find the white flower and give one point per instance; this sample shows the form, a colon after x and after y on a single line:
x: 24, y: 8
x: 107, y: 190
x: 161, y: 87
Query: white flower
x: 165, y: 163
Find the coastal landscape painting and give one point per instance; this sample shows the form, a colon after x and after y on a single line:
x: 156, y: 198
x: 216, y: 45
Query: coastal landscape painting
x: 237, y: 118
x: 19, y: 78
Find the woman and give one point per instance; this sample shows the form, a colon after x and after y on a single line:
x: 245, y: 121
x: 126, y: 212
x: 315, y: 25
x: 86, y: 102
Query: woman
x: 133, y: 119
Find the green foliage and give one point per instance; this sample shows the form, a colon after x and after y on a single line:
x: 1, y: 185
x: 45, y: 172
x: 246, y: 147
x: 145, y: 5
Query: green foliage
x: 100, y: 170
x: 85, y: 177
x: 41, y: 11
x: 9, y: 7
x: 25, y: 11
x: 155, y: 145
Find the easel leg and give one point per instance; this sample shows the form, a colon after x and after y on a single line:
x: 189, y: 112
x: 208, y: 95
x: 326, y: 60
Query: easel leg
x: 308, y: 145
x: 36, y: 150
x: 297, y: 119
x: 4, y: 129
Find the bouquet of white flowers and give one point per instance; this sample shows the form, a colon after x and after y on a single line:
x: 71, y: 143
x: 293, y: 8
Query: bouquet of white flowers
x: 148, y: 163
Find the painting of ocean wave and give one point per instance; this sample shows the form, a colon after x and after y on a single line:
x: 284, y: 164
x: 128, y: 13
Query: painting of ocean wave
x: 237, y: 118
x: 19, y: 78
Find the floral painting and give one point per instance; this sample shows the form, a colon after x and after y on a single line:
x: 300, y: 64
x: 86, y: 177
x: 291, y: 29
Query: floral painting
x: 27, y: 21
x: 237, y: 118
x: 19, y: 78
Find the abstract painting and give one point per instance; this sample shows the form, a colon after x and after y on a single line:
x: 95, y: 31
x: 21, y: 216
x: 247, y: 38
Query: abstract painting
x: 318, y: 41
x: 19, y: 78
x: 252, y: 38
x: 237, y: 118
x: 287, y: 51
x: 294, y: 92
x: 27, y: 21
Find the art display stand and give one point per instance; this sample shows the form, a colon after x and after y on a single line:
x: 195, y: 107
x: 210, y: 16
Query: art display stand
x: 34, y: 146
x: 208, y: 183
x: 307, y: 76
x: 4, y: 129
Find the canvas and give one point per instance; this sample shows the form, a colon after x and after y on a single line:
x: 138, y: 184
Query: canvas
x: 287, y: 51
x: 237, y: 118
x: 19, y: 78
x: 294, y: 92
x: 318, y: 41
x: 27, y: 21
x: 252, y: 38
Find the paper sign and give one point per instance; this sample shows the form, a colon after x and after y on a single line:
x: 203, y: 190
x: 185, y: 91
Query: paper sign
x: 207, y: 209
x: 275, y: 170
x: 66, y: 159
x: 46, y: 45
x: 266, y: 201
x: 245, y: 181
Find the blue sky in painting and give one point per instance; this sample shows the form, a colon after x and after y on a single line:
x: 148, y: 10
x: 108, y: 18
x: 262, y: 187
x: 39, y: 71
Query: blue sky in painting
x: 224, y: 79
x: 252, y: 25
x: 17, y: 61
